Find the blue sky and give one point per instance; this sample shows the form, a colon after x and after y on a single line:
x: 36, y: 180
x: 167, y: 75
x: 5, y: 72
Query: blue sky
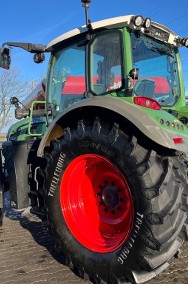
x: 39, y: 21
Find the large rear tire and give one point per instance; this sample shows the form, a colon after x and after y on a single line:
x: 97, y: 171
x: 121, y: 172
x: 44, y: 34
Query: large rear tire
x: 114, y: 204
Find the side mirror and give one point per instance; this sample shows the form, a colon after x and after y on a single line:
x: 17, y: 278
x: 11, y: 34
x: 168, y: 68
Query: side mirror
x: 5, y: 58
x: 14, y: 101
x: 39, y: 57
x: 21, y: 113
x: 130, y: 80
x: 134, y: 73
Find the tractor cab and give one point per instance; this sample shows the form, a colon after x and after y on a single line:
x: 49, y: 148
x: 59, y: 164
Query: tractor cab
x: 129, y: 57
x: 123, y: 57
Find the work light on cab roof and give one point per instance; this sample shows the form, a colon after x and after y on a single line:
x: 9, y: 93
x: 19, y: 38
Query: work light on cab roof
x: 139, y: 21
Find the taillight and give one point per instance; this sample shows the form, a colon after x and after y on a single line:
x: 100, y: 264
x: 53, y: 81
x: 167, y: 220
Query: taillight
x: 147, y: 102
x: 178, y: 140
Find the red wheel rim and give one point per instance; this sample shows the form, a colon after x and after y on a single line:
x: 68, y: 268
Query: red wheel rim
x: 96, y: 203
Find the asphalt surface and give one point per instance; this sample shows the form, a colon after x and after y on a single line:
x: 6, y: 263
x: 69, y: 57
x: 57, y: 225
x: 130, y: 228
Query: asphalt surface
x: 27, y: 255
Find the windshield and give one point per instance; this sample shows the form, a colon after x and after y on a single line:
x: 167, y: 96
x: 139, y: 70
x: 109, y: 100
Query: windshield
x: 66, y: 84
x: 158, y: 76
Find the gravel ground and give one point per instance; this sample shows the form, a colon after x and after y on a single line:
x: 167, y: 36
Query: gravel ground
x: 27, y: 256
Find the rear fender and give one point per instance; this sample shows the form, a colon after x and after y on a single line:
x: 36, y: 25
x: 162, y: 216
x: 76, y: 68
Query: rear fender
x: 131, y: 112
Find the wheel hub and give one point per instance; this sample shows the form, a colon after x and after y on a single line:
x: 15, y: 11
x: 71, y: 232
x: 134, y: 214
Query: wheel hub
x: 110, y: 197
x: 96, y: 203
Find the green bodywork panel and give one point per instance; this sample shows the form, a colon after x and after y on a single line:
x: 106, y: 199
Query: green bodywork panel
x: 19, y: 130
x: 165, y: 119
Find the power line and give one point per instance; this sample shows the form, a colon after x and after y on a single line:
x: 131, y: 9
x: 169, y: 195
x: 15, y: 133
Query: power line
x: 158, y: 8
x: 177, y: 18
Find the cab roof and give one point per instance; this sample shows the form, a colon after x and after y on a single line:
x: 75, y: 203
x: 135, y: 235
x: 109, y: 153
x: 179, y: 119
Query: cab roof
x: 108, y: 23
x: 116, y: 22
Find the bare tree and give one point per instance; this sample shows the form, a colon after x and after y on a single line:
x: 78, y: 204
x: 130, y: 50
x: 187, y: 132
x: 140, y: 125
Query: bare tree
x: 11, y: 85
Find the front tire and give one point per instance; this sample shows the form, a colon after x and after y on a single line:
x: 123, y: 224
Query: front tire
x: 114, y: 204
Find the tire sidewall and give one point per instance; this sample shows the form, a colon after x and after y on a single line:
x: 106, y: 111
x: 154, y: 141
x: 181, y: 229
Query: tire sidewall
x: 121, y: 258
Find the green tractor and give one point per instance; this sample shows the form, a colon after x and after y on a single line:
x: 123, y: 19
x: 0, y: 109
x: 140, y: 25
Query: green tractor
x: 110, y: 172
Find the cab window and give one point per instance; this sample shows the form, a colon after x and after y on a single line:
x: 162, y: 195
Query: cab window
x: 106, y: 62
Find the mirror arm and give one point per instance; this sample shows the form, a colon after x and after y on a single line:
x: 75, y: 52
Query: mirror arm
x: 30, y: 47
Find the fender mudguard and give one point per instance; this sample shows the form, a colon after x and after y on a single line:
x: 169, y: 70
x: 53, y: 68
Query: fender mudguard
x: 17, y: 167
x: 135, y: 114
